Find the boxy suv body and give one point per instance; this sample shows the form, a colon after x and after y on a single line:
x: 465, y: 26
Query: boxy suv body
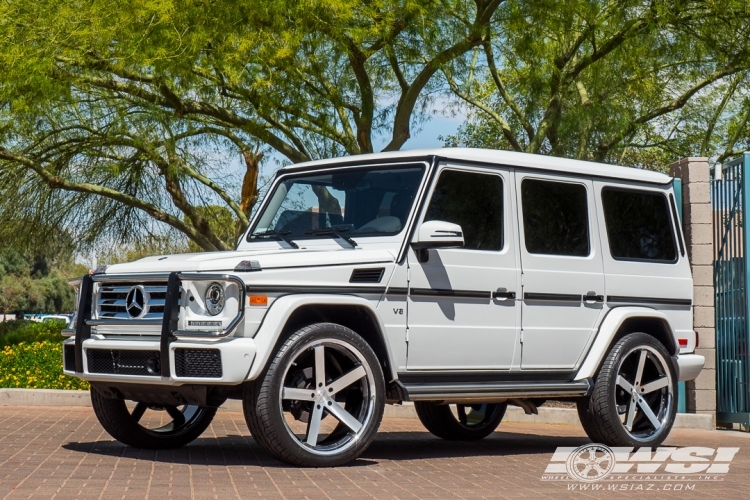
x: 463, y: 280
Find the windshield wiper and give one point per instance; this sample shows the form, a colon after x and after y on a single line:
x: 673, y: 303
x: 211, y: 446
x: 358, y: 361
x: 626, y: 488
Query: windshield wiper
x: 280, y: 235
x: 333, y: 231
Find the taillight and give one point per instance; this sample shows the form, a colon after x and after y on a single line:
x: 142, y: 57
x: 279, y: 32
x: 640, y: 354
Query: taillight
x: 683, y: 342
x: 697, y: 338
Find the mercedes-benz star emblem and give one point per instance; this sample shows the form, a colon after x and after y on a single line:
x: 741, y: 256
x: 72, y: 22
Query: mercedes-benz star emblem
x: 135, y: 302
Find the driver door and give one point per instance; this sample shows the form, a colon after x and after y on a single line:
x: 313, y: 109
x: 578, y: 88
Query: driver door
x: 462, y: 311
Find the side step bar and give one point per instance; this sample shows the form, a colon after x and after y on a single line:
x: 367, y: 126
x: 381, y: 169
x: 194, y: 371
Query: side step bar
x: 492, y: 391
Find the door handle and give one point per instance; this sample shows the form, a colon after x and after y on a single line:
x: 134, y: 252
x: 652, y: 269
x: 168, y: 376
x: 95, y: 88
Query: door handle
x: 593, y: 297
x: 503, y: 294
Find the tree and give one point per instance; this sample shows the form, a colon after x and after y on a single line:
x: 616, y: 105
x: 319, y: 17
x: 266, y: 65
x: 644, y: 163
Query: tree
x: 37, y: 282
x: 113, y: 117
x: 635, y: 82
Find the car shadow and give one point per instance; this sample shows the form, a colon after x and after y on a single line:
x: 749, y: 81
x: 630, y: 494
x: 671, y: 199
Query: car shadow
x: 236, y: 450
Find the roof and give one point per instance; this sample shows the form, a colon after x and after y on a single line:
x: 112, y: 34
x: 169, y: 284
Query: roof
x: 498, y: 157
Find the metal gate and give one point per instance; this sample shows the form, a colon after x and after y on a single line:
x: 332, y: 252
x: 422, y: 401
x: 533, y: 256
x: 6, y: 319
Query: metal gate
x: 730, y: 185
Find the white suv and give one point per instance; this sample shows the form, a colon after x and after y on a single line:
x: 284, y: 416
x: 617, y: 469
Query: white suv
x: 463, y: 280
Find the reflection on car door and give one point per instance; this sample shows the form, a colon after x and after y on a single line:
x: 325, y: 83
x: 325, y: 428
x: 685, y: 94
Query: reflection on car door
x: 461, y: 309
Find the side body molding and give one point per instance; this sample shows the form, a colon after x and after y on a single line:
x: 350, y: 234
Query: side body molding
x: 607, y: 331
x: 281, y: 310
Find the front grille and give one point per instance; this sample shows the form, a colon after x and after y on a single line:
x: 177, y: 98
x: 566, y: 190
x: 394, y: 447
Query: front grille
x: 198, y: 363
x: 122, y: 362
x: 69, y: 358
x: 111, y: 300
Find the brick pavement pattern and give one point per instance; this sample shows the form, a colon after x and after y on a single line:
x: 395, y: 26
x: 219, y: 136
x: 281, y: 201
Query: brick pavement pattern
x: 63, y: 453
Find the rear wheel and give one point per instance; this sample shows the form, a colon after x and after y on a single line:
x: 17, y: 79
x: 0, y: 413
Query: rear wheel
x: 468, y: 423
x: 633, y: 401
x: 151, y: 426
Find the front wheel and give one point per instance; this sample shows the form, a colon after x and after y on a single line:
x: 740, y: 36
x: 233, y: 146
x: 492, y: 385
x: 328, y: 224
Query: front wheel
x: 321, y: 399
x: 469, y: 423
x: 150, y: 426
x: 633, y: 401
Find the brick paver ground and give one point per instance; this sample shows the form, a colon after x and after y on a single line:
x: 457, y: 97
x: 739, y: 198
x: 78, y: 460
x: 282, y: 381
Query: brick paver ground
x: 63, y: 453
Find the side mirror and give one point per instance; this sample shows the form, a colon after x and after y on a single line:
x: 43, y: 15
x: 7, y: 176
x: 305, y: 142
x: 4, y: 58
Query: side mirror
x: 438, y: 234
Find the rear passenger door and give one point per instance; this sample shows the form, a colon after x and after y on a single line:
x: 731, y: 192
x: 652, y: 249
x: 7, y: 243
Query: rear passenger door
x: 562, y: 270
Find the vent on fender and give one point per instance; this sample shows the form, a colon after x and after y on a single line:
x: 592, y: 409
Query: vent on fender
x: 373, y: 275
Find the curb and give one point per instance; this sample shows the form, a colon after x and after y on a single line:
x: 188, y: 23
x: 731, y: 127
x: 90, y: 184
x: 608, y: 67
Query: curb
x: 564, y: 416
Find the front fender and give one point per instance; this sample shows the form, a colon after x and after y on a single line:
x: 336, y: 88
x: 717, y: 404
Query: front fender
x: 607, y: 331
x: 281, y: 310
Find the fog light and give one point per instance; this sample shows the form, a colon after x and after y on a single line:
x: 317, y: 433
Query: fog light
x: 153, y: 366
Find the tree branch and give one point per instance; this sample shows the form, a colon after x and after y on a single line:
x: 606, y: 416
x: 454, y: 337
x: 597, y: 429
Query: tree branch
x: 674, y: 105
x: 405, y: 107
x: 504, y: 91
x: 57, y: 182
x: 507, y: 131
x: 717, y: 114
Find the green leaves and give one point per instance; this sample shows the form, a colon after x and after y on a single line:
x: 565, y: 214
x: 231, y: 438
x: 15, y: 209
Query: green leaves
x: 119, y: 116
x: 633, y: 81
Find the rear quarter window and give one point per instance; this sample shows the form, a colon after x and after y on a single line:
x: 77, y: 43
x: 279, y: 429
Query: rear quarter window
x: 639, y: 226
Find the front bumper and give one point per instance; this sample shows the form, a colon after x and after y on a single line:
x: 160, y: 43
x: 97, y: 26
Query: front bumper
x: 689, y: 366
x: 235, y: 357
x: 172, y: 358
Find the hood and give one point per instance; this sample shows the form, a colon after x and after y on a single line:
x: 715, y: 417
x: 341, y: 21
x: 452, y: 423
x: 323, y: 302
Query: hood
x: 269, y: 259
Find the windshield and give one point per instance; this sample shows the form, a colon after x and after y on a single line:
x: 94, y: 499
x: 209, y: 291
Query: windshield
x: 361, y: 202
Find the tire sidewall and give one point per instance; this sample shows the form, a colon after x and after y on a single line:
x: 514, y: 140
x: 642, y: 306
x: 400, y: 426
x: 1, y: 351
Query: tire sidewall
x: 440, y: 421
x: 114, y: 416
x: 273, y: 382
x: 616, y: 356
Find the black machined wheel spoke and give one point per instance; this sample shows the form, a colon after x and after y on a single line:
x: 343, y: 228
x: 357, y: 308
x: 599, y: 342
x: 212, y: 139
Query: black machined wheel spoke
x: 177, y: 416
x: 138, y: 411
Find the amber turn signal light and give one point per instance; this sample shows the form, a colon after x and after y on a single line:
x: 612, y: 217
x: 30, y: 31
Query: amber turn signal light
x: 258, y: 300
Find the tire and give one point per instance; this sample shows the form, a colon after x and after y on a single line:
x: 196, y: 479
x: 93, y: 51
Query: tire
x: 611, y: 415
x: 440, y: 420
x: 287, y: 406
x: 124, y: 426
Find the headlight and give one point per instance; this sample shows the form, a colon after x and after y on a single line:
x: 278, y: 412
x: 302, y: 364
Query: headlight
x: 215, y: 299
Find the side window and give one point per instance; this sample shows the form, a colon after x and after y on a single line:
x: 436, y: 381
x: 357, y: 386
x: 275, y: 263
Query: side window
x: 638, y: 225
x: 555, y: 218
x: 475, y: 202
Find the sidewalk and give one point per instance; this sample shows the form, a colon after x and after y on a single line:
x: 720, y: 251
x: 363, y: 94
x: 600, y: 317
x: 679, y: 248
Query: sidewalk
x: 63, y: 453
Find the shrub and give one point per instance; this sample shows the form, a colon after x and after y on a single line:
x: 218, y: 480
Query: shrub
x: 36, y: 365
x: 15, y: 332
x: 31, y: 356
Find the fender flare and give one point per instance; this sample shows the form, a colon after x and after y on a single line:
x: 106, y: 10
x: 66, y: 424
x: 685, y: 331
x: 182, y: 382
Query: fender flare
x: 281, y: 310
x: 607, y: 331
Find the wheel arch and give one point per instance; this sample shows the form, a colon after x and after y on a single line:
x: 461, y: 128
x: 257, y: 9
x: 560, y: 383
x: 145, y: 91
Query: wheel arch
x: 619, y: 322
x: 288, y: 314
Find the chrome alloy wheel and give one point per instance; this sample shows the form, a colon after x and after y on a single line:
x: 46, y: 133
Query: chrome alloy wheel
x: 644, y: 392
x: 327, y: 378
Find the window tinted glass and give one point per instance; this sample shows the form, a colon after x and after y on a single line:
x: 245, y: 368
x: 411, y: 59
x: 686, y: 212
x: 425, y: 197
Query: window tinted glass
x: 475, y: 202
x: 361, y: 202
x: 638, y: 225
x: 555, y: 218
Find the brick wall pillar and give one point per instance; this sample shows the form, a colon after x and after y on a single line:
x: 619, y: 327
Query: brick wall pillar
x: 697, y: 225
